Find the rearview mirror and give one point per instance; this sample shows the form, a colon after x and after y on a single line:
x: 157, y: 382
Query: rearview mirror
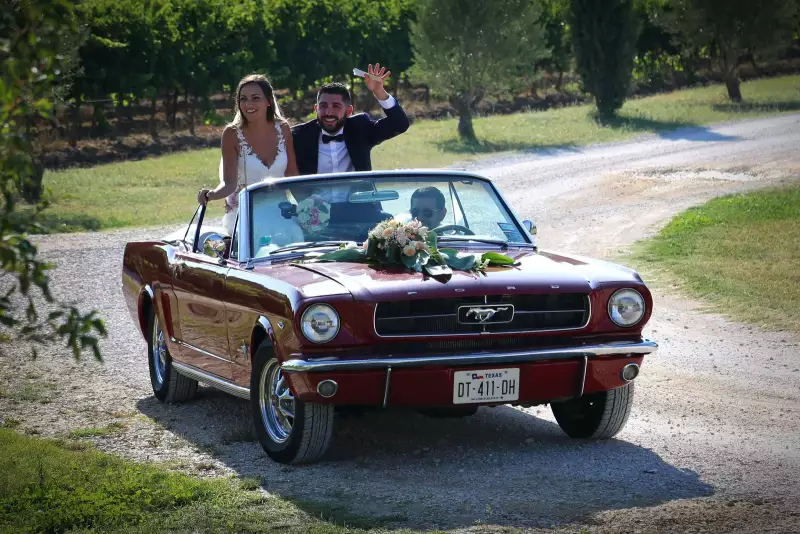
x: 363, y: 197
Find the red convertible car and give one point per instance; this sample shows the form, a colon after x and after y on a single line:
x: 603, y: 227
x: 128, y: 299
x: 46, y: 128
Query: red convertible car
x: 269, y: 313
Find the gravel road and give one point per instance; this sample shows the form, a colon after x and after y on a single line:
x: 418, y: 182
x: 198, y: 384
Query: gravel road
x: 713, y: 443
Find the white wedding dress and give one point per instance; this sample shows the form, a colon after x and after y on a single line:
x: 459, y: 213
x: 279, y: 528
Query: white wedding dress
x: 251, y: 170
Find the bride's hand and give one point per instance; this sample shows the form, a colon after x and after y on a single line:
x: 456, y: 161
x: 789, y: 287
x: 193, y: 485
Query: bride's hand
x: 201, y: 197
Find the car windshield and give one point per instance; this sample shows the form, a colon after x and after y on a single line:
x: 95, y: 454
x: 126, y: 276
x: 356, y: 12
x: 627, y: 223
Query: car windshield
x: 286, y: 215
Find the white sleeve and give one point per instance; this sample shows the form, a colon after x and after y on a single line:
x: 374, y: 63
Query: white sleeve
x: 388, y: 103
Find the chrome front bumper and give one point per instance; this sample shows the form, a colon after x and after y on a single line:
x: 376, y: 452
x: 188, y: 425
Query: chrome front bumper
x: 623, y: 348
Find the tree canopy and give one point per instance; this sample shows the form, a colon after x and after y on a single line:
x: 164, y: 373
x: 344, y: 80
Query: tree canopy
x: 467, y: 49
x: 33, y: 32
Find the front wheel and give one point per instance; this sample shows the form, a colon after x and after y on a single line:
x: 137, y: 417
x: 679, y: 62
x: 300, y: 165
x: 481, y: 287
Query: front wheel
x: 597, y: 415
x: 290, y: 431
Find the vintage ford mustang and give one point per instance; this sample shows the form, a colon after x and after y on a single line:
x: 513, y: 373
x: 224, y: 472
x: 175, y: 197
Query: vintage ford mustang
x: 265, y: 314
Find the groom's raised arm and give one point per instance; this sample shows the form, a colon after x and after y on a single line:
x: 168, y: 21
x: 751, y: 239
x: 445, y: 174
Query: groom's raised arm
x: 396, y: 121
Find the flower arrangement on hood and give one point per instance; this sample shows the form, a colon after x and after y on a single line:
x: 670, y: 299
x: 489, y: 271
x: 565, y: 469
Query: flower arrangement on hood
x: 413, y: 246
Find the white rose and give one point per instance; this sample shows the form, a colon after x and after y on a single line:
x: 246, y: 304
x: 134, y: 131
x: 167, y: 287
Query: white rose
x: 409, y: 251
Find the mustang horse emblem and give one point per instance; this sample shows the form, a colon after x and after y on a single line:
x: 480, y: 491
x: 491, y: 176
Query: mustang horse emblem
x: 484, y: 314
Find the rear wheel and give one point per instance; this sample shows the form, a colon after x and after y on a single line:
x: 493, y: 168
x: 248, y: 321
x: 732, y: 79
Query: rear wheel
x: 290, y: 431
x: 168, y: 384
x: 595, y: 416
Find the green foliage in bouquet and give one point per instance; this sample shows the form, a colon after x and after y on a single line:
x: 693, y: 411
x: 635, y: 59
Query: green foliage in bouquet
x: 413, y: 246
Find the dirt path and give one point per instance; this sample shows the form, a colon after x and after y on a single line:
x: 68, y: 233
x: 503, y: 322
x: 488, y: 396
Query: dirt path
x: 713, y: 443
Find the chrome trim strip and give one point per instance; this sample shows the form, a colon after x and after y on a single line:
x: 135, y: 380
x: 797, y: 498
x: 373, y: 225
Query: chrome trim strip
x: 264, y: 322
x: 485, y: 358
x: 214, y: 381
x: 245, y: 252
x: 516, y: 312
x: 503, y: 333
x: 386, y: 389
x: 201, y: 351
x: 583, y: 375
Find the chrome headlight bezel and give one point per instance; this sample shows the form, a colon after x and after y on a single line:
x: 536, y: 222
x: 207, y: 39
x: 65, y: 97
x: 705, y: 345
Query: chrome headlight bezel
x: 613, y: 302
x: 307, y: 328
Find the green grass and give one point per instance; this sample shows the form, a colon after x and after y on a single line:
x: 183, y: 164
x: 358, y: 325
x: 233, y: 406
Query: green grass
x: 56, y: 486
x: 739, y: 252
x: 97, y: 432
x: 163, y: 190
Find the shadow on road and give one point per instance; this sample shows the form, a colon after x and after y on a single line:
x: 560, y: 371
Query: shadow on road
x: 501, y: 466
x: 668, y: 130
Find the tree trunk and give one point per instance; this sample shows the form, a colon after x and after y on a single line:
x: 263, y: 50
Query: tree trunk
x: 729, y: 58
x: 174, y: 118
x: 191, y: 104
x: 465, y: 130
x: 75, y: 123
x: 733, y: 84
x: 30, y: 187
x: 559, y: 80
x: 152, y: 126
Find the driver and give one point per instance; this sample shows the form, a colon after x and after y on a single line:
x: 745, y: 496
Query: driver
x: 427, y: 205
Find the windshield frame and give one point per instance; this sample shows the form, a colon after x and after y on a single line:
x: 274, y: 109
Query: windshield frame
x: 246, y: 206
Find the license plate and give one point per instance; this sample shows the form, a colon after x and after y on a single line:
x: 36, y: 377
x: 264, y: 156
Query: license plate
x: 490, y: 385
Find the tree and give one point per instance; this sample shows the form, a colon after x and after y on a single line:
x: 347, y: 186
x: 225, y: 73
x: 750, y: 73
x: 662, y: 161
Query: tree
x: 554, y: 19
x: 467, y: 49
x: 604, y: 34
x: 732, y: 29
x: 32, y: 32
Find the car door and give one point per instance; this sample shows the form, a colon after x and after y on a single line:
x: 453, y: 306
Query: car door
x: 199, y: 287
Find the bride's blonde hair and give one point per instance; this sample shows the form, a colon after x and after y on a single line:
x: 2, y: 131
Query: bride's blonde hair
x: 273, y: 111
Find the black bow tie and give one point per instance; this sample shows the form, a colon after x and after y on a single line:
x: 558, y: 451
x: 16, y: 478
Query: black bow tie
x: 328, y: 138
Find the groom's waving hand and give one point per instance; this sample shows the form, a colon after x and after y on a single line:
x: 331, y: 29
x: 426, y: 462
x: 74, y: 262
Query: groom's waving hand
x: 337, y: 140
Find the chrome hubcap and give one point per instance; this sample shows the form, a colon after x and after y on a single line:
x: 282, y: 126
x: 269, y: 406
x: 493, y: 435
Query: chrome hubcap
x: 159, y: 354
x: 277, y: 403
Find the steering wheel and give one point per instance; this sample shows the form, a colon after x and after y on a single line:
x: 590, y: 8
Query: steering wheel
x: 439, y: 230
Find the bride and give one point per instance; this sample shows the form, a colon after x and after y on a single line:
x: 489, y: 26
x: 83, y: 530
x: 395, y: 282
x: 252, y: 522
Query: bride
x: 256, y: 146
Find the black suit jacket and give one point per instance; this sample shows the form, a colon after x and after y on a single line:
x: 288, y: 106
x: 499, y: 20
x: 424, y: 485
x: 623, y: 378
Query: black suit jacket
x: 361, y: 133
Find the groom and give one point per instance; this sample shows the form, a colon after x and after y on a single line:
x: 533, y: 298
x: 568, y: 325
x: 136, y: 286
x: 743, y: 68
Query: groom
x: 337, y: 140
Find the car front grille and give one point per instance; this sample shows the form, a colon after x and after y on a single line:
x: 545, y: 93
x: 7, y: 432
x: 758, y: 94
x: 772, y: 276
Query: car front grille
x: 511, y: 313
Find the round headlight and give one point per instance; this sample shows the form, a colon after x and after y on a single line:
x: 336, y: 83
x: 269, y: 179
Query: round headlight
x: 626, y: 307
x: 320, y: 323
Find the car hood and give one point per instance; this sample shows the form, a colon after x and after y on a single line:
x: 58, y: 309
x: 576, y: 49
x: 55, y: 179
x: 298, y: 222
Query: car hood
x: 537, y: 272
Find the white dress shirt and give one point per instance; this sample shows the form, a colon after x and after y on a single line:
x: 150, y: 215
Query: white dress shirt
x: 333, y: 156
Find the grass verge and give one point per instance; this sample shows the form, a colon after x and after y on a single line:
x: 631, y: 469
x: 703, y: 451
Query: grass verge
x: 162, y: 190
x: 53, y: 486
x: 740, y: 252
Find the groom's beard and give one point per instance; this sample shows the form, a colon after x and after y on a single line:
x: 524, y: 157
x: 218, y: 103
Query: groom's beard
x: 332, y: 129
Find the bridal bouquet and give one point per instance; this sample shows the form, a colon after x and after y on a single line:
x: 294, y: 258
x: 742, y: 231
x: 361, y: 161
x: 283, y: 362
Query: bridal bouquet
x: 313, y: 214
x: 413, y: 246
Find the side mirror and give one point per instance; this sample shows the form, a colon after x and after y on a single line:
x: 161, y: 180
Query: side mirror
x: 214, y: 245
x: 529, y: 226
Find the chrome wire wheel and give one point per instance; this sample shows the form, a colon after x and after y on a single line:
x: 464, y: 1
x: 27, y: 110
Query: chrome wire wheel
x: 159, y: 352
x: 276, y: 402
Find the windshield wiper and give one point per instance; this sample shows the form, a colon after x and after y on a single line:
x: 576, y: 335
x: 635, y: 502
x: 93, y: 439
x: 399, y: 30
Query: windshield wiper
x: 308, y: 244
x: 499, y: 242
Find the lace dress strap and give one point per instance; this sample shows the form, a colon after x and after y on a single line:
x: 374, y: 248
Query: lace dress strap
x: 281, y: 141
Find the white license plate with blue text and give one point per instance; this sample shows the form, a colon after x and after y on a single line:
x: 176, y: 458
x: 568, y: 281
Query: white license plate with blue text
x: 490, y: 385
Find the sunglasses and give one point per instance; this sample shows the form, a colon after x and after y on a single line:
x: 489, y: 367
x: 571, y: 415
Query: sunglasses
x: 426, y: 212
